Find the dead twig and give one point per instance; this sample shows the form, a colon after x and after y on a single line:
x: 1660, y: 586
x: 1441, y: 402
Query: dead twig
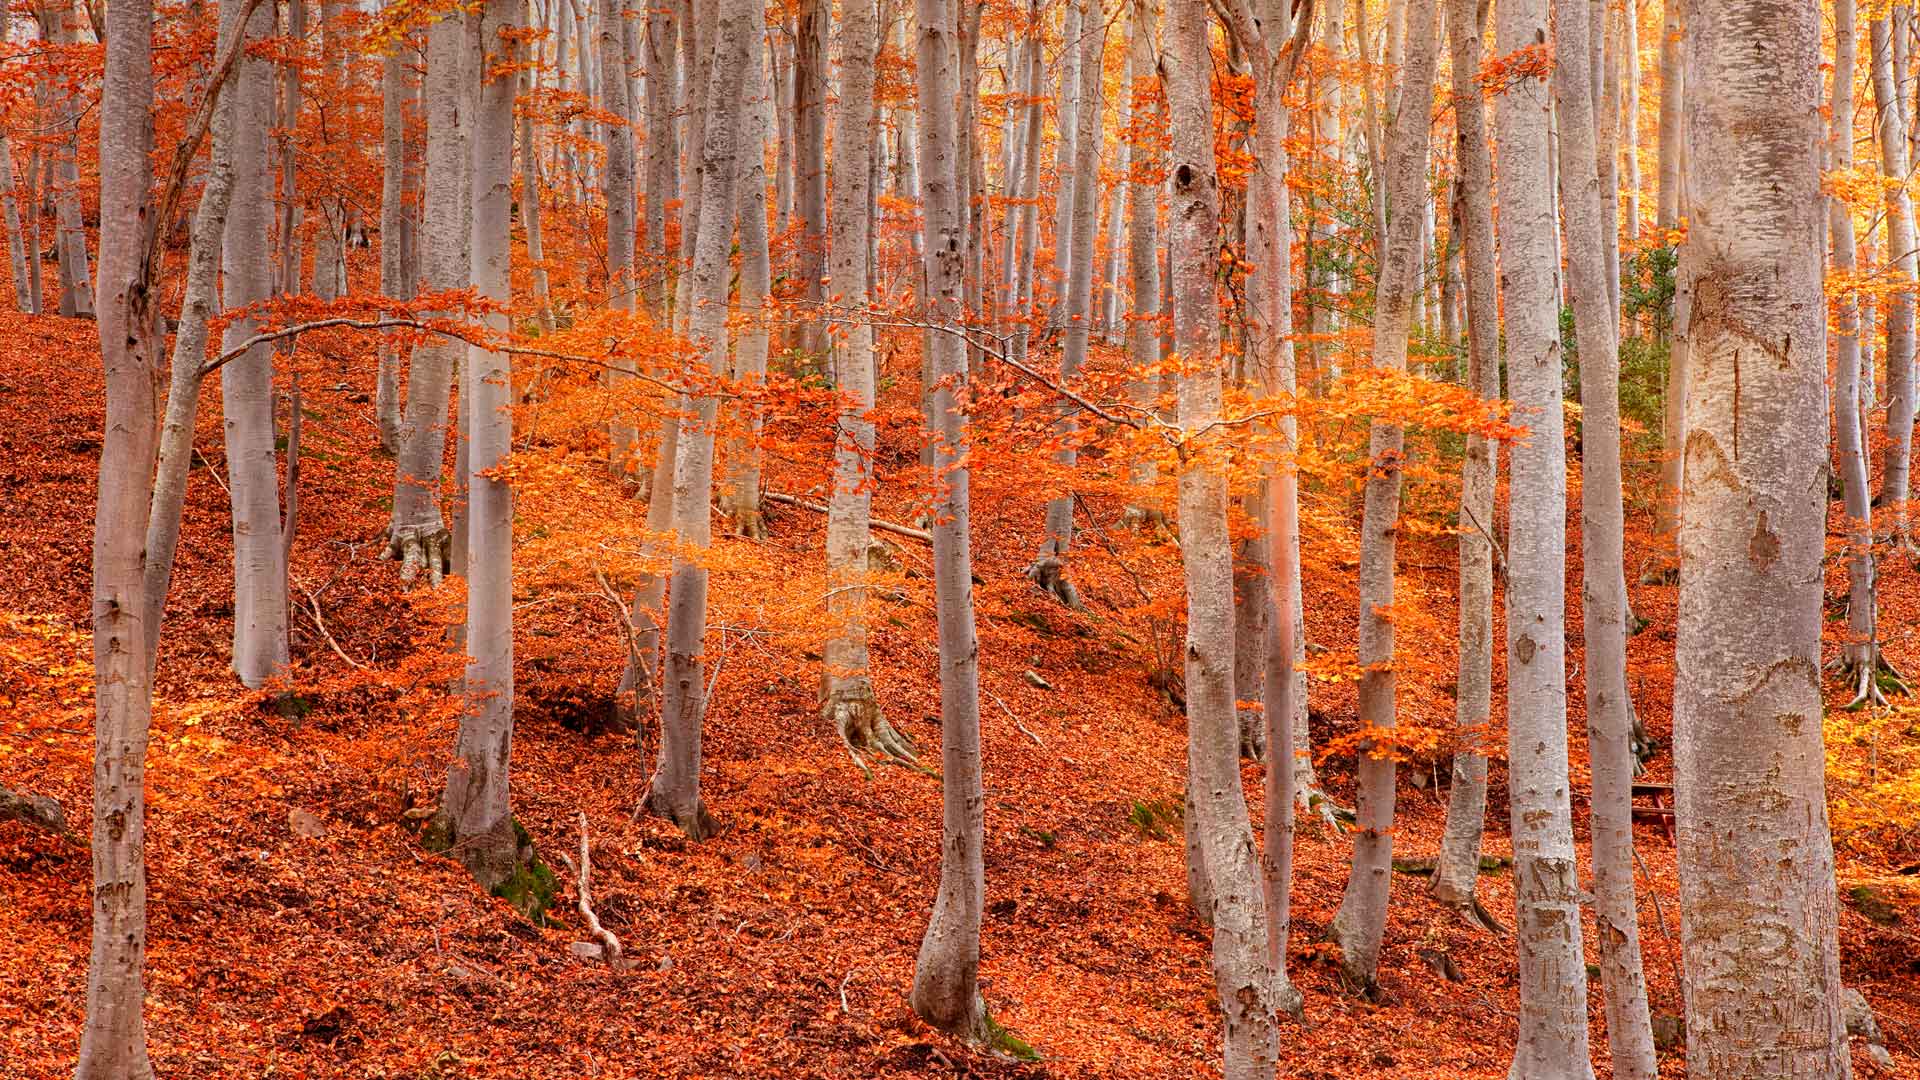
x: 1015, y: 719
x: 872, y: 523
x: 608, y: 942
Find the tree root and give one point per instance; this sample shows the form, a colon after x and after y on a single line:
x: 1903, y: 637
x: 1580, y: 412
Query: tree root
x: 609, y: 944
x: 1049, y: 573
x: 420, y: 547
x: 1334, y: 816
x: 696, y: 823
x: 1874, y: 677
x: 1465, y: 906
x: 748, y: 521
x: 854, y: 712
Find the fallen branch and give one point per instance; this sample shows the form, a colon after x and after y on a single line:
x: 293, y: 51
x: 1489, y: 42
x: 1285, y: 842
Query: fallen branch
x: 609, y: 943
x: 313, y: 605
x: 1015, y: 719
x: 907, y: 531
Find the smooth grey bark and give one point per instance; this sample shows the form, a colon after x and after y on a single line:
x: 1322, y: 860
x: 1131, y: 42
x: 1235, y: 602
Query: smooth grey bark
x: 76, y: 291
x: 533, y: 194
x: 1457, y: 868
x: 1020, y: 293
x: 1627, y: 71
x: 810, y: 167
x: 475, y: 813
x: 618, y: 183
x: 1240, y: 937
x: 1860, y: 657
x: 1584, y: 202
x: 113, y: 1039
x: 397, y: 92
x: 199, y: 301
x: 1552, y: 1038
x: 1145, y: 180
x: 10, y: 205
x: 663, y: 152
x: 291, y: 255
x: 329, y: 250
x: 1891, y: 127
x: 1049, y: 568
x: 1066, y: 124
x: 675, y: 790
x: 1361, y: 921
x: 1672, y: 196
x: 1757, y: 893
x: 418, y: 535
x: 847, y: 700
x: 946, y: 972
x: 246, y: 384
x: 740, y: 494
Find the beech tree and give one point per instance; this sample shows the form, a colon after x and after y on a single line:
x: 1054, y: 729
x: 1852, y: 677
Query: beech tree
x: 1889, y: 77
x: 1757, y: 885
x: 1362, y: 919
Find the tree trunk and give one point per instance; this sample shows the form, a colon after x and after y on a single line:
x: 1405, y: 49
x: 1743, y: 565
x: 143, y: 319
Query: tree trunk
x: 476, y: 817
x: 847, y: 699
x: 1049, y: 568
x: 16, y: 241
x: 397, y: 91
x: 946, y: 973
x: 1146, y: 176
x: 618, y: 181
x: 1892, y: 130
x: 532, y: 194
x: 1022, y: 290
x: 113, y: 1041
x: 419, y: 537
x: 1362, y: 919
x: 76, y: 291
x: 1552, y: 1038
x: 246, y: 385
x: 740, y: 496
x: 1458, y: 866
x: 1667, y: 217
x: 663, y: 152
x: 1757, y: 892
x: 1628, y: 72
x: 1240, y: 937
x: 291, y: 255
x: 675, y: 790
x: 810, y: 167
x: 1584, y: 199
x: 1066, y: 124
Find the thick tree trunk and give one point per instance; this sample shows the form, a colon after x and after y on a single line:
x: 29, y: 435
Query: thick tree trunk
x: 1458, y: 866
x: 246, y: 384
x: 1362, y: 919
x: 476, y: 816
x: 1240, y: 936
x: 1584, y: 199
x: 1757, y: 892
x: 946, y: 973
x: 419, y: 536
x: 810, y: 167
x: 1049, y: 568
x: 113, y: 1041
x: 1552, y: 1038
x: 1901, y: 239
x: 675, y: 790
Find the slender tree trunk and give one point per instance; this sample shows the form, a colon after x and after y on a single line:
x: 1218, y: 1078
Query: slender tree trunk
x: 113, y: 1041
x: 1240, y: 936
x: 1049, y: 568
x: 16, y: 241
x: 1628, y: 72
x: 419, y: 536
x: 291, y: 249
x: 1667, y: 217
x: 663, y: 151
x: 476, y: 817
x: 675, y: 790
x: 1458, y: 867
x: 1552, y: 1038
x: 76, y: 292
x: 329, y: 252
x: 946, y: 973
x: 1146, y: 177
x: 1022, y: 290
x: 847, y: 699
x: 1362, y: 919
x: 1901, y: 239
x: 1066, y: 123
x: 740, y: 496
x: 532, y: 194
x: 810, y: 166
x: 1584, y: 198
x: 396, y: 222
x: 246, y: 385
x: 620, y: 213
x: 36, y: 191
x: 1757, y: 892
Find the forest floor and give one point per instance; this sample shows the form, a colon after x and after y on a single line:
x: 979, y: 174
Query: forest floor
x: 298, y: 929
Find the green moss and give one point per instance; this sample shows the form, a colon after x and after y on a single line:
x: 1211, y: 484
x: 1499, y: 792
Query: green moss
x: 437, y: 837
x: 529, y: 889
x: 1002, y: 1041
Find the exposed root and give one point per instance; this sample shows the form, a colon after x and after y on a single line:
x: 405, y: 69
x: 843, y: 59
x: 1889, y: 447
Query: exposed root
x: 1465, y: 906
x: 851, y: 707
x: 1874, y: 677
x: 418, y: 547
x: 695, y: 822
x: 1049, y: 573
x: 609, y: 944
x: 1334, y: 816
x: 748, y: 521
x: 1288, y: 999
x: 977, y: 1028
